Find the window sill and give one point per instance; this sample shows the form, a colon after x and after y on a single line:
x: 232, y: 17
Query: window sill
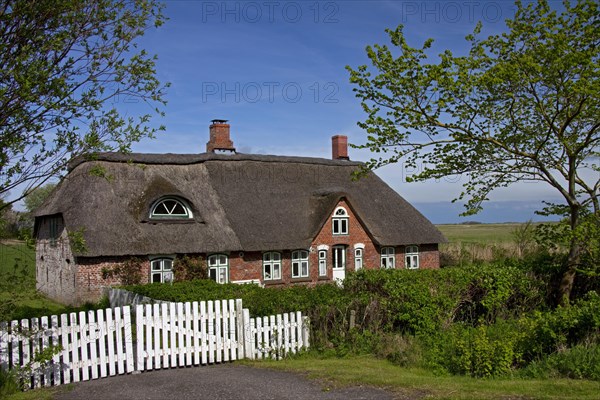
x: 302, y: 279
x: 273, y: 282
x: 324, y: 278
x: 169, y: 221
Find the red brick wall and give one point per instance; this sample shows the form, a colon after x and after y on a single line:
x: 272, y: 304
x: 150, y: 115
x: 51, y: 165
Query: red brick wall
x: 91, y: 284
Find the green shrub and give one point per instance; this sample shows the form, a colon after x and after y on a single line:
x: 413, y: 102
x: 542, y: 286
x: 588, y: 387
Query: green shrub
x: 554, y: 331
x: 578, y: 362
x: 482, y: 351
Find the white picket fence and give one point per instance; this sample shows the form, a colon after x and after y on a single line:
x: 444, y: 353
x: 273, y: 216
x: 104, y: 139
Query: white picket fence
x: 102, y: 343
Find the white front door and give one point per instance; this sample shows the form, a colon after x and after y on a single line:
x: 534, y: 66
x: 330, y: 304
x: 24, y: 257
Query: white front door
x: 339, y: 263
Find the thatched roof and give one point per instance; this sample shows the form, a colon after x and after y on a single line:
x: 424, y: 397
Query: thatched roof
x: 239, y: 202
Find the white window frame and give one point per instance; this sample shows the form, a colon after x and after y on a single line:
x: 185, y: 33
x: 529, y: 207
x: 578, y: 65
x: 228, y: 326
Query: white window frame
x: 388, y: 257
x: 340, y: 222
x: 358, y: 258
x: 162, y: 269
x: 300, y: 266
x: 339, y: 264
x: 218, y: 268
x: 322, y: 262
x: 170, y: 213
x: 411, y: 257
x: 272, y: 263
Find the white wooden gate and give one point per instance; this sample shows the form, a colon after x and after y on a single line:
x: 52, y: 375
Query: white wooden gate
x: 103, y: 343
x: 91, y: 345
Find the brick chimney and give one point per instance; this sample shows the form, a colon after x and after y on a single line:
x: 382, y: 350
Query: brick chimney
x: 219, y: 137
x: 339, y: 147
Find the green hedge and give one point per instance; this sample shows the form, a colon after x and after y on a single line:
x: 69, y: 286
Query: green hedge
x: 482, y: 320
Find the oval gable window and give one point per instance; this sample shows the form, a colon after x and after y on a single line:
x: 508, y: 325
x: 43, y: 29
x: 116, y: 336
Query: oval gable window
x: 170, y: 208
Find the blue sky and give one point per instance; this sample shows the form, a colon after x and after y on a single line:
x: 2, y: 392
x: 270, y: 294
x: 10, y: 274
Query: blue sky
x: 276, y: 71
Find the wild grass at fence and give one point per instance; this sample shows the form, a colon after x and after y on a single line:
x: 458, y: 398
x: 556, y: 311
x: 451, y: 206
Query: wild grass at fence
x: 18, y: 295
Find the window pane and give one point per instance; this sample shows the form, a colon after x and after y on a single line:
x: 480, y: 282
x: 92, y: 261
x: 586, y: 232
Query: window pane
x: 268, y: 271
x: 155, y: 265
x: 294, y: 269
x: 212, y: 273
x: 276, y: 257
x: 222, y: 275
x: 168, y: 276
x: 336, y: 226
x: 344, y: 228
x: 161, y: 209
x: 178, y: 209
x: 304, y: 269
x: 277, y: 271
x: 223, y: 260
x: 167, y: 264
x: 156, y: 278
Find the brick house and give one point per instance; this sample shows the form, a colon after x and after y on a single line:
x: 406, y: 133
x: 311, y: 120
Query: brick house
x: 272, y: 220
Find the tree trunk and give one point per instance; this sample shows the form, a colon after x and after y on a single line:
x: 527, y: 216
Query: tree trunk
x: 568, y: 278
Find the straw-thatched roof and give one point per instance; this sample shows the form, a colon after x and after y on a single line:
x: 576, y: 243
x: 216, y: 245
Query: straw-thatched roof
x: 239, y: 203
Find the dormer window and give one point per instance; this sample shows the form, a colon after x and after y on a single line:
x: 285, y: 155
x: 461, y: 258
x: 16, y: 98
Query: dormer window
x: 340, y: 221
x: 171, y: 208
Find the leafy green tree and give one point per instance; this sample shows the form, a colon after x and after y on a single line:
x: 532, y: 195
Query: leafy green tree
x: 35, y: 197
x: 65, y: 66
x: 521, y: 106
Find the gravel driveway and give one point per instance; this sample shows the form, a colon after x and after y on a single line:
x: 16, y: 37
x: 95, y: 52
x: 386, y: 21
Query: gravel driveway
x: 215, y: 382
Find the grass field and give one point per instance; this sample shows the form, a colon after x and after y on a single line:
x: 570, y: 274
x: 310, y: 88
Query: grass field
x: 17, y: 283
x: 412, y: 383
x: 479, y: 233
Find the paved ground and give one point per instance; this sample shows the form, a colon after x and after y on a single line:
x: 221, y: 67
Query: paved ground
x: 215, y: 382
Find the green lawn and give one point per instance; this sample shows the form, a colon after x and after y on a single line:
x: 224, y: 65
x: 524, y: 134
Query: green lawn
x: 409, y: 382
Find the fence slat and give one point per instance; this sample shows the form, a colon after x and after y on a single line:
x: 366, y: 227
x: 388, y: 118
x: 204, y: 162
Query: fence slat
x: 196, y: 336
x: 164, y: 314
x: 247, y: 335
x: 119, y: 341
x: 102, y: 329
x: 65, y: 354
x: 189, y: 331
x: 239, y: 317
x: 55, y: 341
x: 203, y: 332
x: 110, y: 341
x: 130, y: 367
x: 286, y: 333
x: 147, y: 339
x: 157, y: 325
x: 225, y: 329
x: 211, y: 331
x: 46, y: 336
x: 93, y: 336
x: 83, y: 346
x: 218, y: 332
x: 232, y: 331
x: 293, y: 326
x: 4, y: 339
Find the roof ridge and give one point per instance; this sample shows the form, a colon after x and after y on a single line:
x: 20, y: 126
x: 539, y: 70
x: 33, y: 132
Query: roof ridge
x: 197, y: 158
